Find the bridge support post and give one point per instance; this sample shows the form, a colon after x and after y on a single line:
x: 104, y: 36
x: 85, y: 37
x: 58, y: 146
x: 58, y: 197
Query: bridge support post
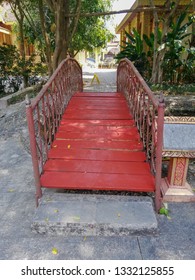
x: 158, y: 180
x: 33, y: 148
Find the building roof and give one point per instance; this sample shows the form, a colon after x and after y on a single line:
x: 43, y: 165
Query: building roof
x: 4, y: 30
x: 141, y: 4
x: 128, y: 17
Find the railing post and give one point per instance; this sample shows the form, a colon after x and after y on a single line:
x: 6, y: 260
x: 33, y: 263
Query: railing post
x: 33, y: 148
x: 160, y: 128
x: 117, y: 79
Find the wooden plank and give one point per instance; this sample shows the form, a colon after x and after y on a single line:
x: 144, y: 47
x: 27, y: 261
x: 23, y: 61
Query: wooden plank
x: 95, y: 116
x: 99, y: 94
x: 98, y: 107
x: 98, y: 144
x: 93, y: 166
x: 104, y: 135
x: 98, y: 129
x: 80, y: 110
x: 103, y: 95
x: 96, y: 155
x: 97, y: 181
x: 97, y: 122
x: 97, y: 100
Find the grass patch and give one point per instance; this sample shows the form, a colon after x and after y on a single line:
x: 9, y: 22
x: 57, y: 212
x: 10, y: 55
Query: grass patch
x: 21, y: 97
x: 173, y: 89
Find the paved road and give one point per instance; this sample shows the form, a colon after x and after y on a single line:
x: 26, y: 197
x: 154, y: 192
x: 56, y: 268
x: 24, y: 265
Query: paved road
x: 174, y: 240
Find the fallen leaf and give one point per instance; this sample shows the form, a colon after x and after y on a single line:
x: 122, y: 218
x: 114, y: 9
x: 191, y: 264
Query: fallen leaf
x: 119, y: 214
x: 47, y: 220
x: 77, y: 218
x: 68, y: 146
x: 11, y: 190
x: 56, y: 211
x: 84, y: 239
x: 54, y: 251
x: 48, y: 199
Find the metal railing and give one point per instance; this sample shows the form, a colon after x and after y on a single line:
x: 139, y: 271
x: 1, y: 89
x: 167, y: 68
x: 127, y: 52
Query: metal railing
x: 45, y: 111
x: 148, y: 113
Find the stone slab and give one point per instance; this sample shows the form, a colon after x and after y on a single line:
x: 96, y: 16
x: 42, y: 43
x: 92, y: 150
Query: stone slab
x: 94, y: 215
x: 179, y: 136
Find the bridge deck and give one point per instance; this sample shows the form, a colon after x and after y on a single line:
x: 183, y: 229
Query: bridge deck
x: 97, y: 147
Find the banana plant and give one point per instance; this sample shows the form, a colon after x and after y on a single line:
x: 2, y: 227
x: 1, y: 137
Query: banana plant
x: 177, y: 49
x: 149, y: 40
x: 133, y: 49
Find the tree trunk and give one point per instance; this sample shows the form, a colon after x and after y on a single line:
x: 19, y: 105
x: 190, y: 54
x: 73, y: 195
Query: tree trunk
x: 17, y: 10
x: 157, y: 70
x: 23, y: 54
x: 62, y: 26
x: 46, y: 38
x: 161, y: 54
x: 155, y: 52
x: 75, y: 20
x: 65, y: 27
x: 192, y: 43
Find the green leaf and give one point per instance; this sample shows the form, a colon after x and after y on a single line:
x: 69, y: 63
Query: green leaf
x: 131, y: 38
x: 164, y: 211
x: 148, y: 41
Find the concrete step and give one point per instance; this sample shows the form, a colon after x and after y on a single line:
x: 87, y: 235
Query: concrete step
x: 94, y: 215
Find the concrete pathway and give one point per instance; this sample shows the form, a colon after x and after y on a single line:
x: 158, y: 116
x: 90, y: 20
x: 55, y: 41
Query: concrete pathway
x: 175, y: 238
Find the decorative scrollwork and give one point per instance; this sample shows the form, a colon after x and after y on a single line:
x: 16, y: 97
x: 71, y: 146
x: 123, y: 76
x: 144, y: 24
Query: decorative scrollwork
x: 184, y: 119
x: 143, y: 105
x: 179, y: 153
x: 49, y: 105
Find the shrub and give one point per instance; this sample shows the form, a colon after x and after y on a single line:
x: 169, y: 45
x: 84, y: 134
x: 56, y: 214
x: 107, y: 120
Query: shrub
x: 14, y: 70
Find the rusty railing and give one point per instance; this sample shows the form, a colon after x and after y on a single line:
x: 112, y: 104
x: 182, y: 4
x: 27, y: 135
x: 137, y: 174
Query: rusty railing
x: 45, y: 111
x: 148, y: 113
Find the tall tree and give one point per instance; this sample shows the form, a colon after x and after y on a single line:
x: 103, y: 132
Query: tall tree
x: 159, y: 52
x: 36, y: 15
x: 192, y: 44
x: 63, y: 34
x: 48, y: 50
x: 66, y: 26
x: 70, y: 31
x: 91, y: 33
x: 18, y: 12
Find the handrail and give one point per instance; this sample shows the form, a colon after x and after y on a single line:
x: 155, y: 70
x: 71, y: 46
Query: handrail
x: 45, y: 111
x: 148, y: 113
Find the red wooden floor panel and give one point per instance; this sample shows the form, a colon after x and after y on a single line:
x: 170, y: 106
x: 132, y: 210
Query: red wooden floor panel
x: 95, y: 135
x: 97, y: 147
x: 81, y: 123
x: 97, y: 181
x: 129, y: 145
x: 99, y: 94
x: 93, y: 116
x: 97, y: 129
x: 97, y: 155
x: 94, y: 166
